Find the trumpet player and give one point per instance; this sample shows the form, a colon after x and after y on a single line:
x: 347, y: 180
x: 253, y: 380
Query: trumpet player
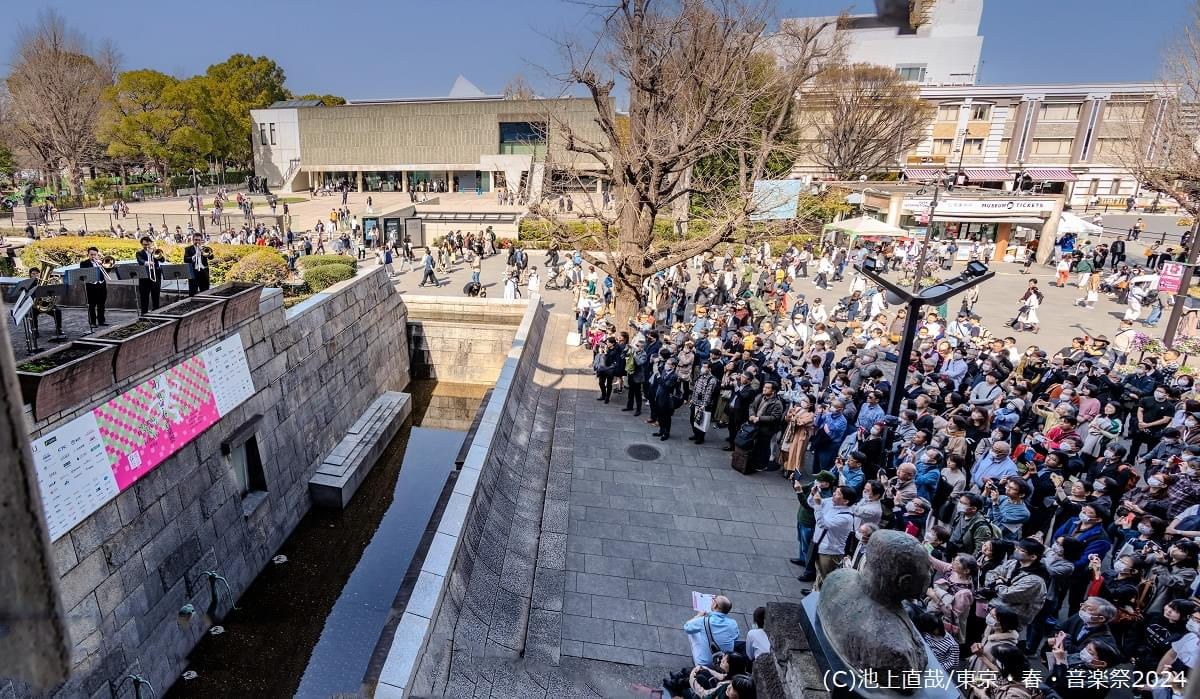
x: 198, y: 257
x: 97, y: 291
x: 150, y: 286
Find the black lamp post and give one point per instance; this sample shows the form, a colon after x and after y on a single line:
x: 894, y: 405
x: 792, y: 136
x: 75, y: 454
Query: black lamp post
x: 975, y: 273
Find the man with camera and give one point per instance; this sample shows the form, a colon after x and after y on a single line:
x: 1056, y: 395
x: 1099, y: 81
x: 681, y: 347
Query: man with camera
x: 1020, y: 582
x: 969, y: 528
x: 829, y: 428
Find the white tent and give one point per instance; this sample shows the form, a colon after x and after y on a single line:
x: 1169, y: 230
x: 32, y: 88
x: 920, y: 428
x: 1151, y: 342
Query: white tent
x: 866, y: 226
x: 1070, y: 223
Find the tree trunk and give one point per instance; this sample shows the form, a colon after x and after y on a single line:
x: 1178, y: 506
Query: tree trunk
x: 627, y: 297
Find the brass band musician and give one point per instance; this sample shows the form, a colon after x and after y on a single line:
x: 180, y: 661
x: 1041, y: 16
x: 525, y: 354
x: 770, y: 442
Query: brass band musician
x: 97, y: 291
x: 198, y: 257
x: 53, y: 311
x: 150, y: 286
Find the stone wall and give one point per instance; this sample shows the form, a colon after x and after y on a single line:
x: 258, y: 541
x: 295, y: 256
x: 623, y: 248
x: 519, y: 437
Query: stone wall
x: 460, y: 340
x: 477, y: 581
x: 125, y: 572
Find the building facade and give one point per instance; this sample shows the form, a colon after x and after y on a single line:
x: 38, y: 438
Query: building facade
x: 461, y: 144
x: 940, y: 45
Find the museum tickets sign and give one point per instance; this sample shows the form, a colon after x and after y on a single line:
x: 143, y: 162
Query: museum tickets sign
x: 93, y: 458
x: 997, y: 207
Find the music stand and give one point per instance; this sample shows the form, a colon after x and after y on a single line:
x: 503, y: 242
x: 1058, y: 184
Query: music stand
x: 131, y: 271
x: 82, y: 275
x: 175, y: 273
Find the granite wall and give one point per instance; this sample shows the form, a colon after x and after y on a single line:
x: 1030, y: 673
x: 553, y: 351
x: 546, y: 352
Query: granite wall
x: 460, y: 340
x: 126, y: 571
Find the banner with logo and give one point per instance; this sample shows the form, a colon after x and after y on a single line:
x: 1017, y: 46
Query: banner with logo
x: 91, y: 459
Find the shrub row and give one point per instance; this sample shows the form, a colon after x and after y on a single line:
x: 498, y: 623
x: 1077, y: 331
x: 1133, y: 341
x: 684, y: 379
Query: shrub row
x: 324, y: 276
x: 67, y: 250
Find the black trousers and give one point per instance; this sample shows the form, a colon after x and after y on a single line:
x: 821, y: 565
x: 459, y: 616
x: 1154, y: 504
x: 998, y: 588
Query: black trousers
x: 148, y: 294
x: 664, y: 422
x: 97, y: 296
x: 695, y: 414
x: 198, y: 282
x: 734, y: 426
x: 635, y: 395
x: 428, y: 277
x: 606, y: 385
x: 55, y: 313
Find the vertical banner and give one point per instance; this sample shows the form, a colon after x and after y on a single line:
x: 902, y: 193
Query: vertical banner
x: 87, y: 462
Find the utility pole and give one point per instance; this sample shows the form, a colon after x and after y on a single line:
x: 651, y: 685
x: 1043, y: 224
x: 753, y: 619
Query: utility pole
x: 1181, y: 296
x: 196, y: 197
x: 925, y: 240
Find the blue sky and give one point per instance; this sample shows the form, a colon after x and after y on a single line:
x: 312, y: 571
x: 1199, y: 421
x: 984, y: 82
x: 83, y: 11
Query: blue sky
x: 394, y: 48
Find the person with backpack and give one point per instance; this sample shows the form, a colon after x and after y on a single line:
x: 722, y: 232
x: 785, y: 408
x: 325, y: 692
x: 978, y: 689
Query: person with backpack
x: 1020, y: 583
x: 970, y: 528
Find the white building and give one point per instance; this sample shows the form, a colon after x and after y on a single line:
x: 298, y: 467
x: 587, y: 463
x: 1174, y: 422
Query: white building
x: 941, y: 45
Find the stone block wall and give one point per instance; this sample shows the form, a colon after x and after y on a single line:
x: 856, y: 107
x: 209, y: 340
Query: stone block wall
x: 125, y: 572
x: 461, y: 340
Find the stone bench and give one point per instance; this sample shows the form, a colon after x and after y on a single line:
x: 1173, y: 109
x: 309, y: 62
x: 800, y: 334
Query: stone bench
x: 343, y: 470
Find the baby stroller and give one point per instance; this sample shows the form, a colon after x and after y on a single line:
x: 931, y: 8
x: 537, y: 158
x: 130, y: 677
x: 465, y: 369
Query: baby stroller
x: 475, y: 290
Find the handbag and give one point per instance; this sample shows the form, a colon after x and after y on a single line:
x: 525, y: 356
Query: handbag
x: 745, y: 435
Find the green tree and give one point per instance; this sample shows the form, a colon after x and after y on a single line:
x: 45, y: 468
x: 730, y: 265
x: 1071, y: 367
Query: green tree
x: 147, y: 116
x: 326, y: 100
x: 227, y: 92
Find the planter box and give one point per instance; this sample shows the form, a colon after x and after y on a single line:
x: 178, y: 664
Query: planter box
x: 141, y: 350
x: 86, y: 371
x: 241, y: 301
x: 199, y: 320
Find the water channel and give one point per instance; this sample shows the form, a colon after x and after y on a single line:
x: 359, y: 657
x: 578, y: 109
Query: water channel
x: 309, y: 627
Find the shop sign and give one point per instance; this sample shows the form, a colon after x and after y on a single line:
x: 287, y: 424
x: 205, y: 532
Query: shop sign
x: 1170, y: 277
x: 997, y: 207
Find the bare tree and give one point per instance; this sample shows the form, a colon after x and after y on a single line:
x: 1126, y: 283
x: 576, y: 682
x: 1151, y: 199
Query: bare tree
x: 54, y: 90
x: 858, y: 119
x: 518, y: 88
x: 705, y: 79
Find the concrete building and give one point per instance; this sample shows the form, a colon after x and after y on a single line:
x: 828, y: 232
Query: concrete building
x: 940, y: 45
x: 466, y: 141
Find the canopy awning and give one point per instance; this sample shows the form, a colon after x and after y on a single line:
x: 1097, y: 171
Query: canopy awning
x: 983, y: 218
x: 1051, y: 174
x: 865, y: 226
x: 918, y: 173
x: 1070, y: 223
x: 987, y: 174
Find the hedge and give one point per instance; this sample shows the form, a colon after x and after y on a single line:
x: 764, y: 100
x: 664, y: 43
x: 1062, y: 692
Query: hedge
x: 325, y: 276
x: 310, y: 261
x: 266, y: 267
x: 70, y: 249
x: 535, y: 234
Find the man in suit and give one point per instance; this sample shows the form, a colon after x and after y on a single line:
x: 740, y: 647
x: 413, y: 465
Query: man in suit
x: 738, y: 409
x: 1117, y: 251
x: 97, y: 291
x: 197, y: 264
x: 149, y: 286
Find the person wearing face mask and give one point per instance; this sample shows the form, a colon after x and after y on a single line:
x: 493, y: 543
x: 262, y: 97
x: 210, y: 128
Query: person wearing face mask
x: 1185, y: 491
x: 834, y: 524
x: 1103, y: 429
x: 970, y: 528
x: 1001, y: 628
x: 1068, y: 667
x: 1153, y: 415
x: 1183, y: 654
x: 1088, y: 527
x: 1020, y: 582
x: 1126, y: 589
x: 1008, y: 511
x: 862, y: 534
x: 952, y: 592
x: 1173, y: 572
x: 1169, y: 446
x: 995, y: 465
x: 1103, y: 490
x: 1089, y: 624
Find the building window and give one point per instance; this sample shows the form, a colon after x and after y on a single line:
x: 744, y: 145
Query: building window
x: 914, y: 72
x: 262, y: 134
x: 1125, y: 111
x: 272, y: 134
x: 522, y: 138
x: 1059, y: 111
x: 1115, y: 186
x: 947, y: 112
x: 1052, y: 146
x: 943, y: 146
x: 248, y: 468
x: 972, y: 146
x: 1109, y: 146
x: 1004, y: 144
x: 981, y: 112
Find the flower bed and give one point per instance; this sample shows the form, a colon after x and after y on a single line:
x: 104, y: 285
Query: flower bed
x: 140, y: 344
x: 199, y: 320
x: 241, y: 301
x: 56, y: 380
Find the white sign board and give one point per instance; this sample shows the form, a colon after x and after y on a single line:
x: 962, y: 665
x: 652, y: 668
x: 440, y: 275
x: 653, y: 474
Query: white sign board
x: 74, y: 473
x: 981, y: 206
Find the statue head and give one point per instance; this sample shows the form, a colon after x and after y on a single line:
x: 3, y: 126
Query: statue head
x: 895, y: 568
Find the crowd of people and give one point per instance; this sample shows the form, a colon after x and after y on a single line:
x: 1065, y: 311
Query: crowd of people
x: 1056, y: 490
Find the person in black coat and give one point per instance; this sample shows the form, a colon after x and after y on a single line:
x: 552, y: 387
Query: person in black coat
x: 96, y: 292
x: 610, y: 359
x: 738, y: 408
x: 150, y: 286
x: 198, y: 264
x: 1117, y: 251
x: 664, y: 399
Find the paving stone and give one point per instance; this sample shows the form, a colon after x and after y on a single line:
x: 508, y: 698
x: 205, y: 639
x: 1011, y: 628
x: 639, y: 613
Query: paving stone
x: 613, y: 654
x: 695, y: 540
x: 586, y: 544
x: 642, y: 636
x: 650, y: 591
x: 674, y: 554
x: 605, y: 585
x: 775, y: 532
x: 588, y: 629
x: 735, y: 544
x: 658, y: 571
x: 670, y: 616
x: 624, y: 549
x: 606, y: 515
x: 607, y: 565
x: 577, y: 604
x: 745, y: 529
x: 697, y: 524
x: 630, y: 610
x: 724, y: 560
x: 645, y: 535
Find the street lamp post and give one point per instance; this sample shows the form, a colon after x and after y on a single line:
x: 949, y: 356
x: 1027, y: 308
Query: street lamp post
x: 1185, y: 283
x: 196, y: 197
x: 975, y: 273
x: 925, y: 240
